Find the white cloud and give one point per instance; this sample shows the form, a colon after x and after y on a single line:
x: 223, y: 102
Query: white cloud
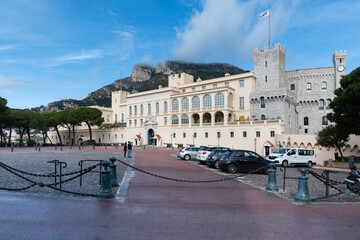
x: 5, y: 81
x: 228, y: 29
x: 84, y: 55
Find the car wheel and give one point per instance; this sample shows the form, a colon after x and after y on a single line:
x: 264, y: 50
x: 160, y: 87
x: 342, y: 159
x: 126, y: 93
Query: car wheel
x: 285, y: 163
x: 216, y: 164
x: 309, y: 164
x: 231, y: 168
x: 187, y: 157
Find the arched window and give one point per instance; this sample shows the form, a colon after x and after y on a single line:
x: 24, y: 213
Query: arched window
x: 306, y: 121
x: 184, y: 119
x: 328, y: 101
x: 135, y: 110
x: 262, y: 100
x: 323, y: 85
x: 184, y: 104
x: 141, y: 109
x: 324, y: 120
x: 207, y: 101
x: 165, y: 106
x: 116, y: 117
x: 195, y: 102
x: 308, y: 86
x: 149, y: 108
x: 219, y: 99
x: 321, y: 104
x: 292, y: 87
x: 231, y: 100
x: 175, y: 119
x: 262, y: 117
x: 157, y: 107
x: 175, y: 105
x: 130, y: 110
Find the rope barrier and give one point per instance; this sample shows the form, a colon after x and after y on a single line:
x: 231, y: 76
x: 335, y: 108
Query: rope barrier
x: 189, y: 181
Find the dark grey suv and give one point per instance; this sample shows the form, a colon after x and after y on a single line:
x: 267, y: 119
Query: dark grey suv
x: 243, y: 161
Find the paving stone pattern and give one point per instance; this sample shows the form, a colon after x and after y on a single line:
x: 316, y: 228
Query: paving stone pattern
x: 36, y: 162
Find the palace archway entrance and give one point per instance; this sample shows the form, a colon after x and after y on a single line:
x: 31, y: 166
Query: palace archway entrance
x: 150, y: 137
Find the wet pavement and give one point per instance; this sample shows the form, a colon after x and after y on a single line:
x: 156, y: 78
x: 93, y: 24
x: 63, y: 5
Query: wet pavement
x: 156, y: 208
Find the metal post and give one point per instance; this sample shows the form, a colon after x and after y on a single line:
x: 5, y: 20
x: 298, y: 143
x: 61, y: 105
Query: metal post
x: 105, y: 191
x: 302, y: 194
x: 39, y: 148
x: 55, y: 146
x: 61, y: 148
x: 79, y: 147
x: 272, y: 184
x: 114, y: 182
x: 12, y: 147
x: 93, y: 146
x: 105, y: 146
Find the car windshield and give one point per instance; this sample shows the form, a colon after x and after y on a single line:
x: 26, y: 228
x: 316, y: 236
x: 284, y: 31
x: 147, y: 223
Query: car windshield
x: 204, y: 148
x: 282, y: 150
x: 227, y: 154
x: 220, y: 152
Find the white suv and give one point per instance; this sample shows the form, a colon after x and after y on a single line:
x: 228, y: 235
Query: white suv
x: 296, y: 156
x: 204, y: 152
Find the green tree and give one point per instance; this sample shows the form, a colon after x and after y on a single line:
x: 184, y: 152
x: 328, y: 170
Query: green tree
x: 90, y: 116
x: 42, y: 123
x: 4, y: 111
x: 346, y: 104
x: 54, y: 120
x: 333, y: 136
x: 74, y: 120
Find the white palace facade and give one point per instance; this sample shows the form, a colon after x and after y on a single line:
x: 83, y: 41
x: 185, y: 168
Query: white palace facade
x: 258, y: 110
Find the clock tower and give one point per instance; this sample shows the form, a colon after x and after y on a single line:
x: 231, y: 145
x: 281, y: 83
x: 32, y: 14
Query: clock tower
x: 339, y: 61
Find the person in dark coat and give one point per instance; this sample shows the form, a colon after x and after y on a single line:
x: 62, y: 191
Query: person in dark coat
x: 129, y: 149
x: 125, y: 149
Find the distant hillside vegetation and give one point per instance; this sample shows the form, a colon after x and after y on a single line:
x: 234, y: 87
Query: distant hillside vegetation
x: 144, y: 78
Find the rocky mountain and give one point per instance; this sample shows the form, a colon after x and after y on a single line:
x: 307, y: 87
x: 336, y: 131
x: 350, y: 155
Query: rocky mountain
x: 143, y: 78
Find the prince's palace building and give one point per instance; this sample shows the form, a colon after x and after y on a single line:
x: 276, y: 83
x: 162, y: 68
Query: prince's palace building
x: 258, y: 110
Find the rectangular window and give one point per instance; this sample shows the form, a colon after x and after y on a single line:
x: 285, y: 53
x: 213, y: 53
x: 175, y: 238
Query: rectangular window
x: 244, y: 134
x: 265, y: 64
x: 232, y: 134
x: 195, y: 135
x: 305, y: 130
x: 184, y: 135
x: 242, y: 102
x: 165, y: 120
x: 206, y: 134
x: 203, y: 87
x: 130, y: 123
x: 218, y: 134
x: 183, y: 90
x: 193, y: 89
x: 265, y: 78
x: 141, y: 122
x: 272, y: 133
x: 241, y: 83
x: 215, y: 86
x: 257, y: 133
x: 135, y: 122
x: 174, y: 135
x: 227, y: 84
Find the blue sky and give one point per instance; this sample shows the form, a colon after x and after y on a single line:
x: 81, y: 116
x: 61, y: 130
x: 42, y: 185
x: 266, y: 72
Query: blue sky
x: 58, y: 49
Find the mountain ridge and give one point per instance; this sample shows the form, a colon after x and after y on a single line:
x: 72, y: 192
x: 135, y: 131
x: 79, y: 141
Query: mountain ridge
x: 143, y: 78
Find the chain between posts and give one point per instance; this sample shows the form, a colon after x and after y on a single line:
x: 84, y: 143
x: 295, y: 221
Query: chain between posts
x: 190, y: 181
x: 52, y: 186
x: 321, y: 179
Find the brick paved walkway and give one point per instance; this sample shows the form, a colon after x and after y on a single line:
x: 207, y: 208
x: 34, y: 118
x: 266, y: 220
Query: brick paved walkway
x: 160, y: 209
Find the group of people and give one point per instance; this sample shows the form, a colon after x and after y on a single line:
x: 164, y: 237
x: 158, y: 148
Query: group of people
x: 127, y: 148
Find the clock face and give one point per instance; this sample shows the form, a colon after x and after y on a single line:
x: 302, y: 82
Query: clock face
x: 340, y: 68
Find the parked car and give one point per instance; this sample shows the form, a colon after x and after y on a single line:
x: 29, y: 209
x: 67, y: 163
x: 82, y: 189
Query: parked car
x: 204, y: 152
x: 187, y: 153
x: 213, y: 159
x: 296, y: 156
x: 243, y: 161
x: 278, y: 153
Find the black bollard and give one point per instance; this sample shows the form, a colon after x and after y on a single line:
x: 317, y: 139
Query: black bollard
x: 105, y: 191
x: 272, y: 184
x: 302, y: 194
x: 114, y: 182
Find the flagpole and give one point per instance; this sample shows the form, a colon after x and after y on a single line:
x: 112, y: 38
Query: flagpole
x: 269, y: 27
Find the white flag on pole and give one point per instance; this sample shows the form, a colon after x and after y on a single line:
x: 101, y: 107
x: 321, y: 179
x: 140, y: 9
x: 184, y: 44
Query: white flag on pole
x: 265, y: 14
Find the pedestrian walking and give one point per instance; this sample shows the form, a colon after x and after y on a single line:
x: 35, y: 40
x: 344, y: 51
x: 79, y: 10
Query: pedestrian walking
x: 129, y: 149
x: 125, y: 148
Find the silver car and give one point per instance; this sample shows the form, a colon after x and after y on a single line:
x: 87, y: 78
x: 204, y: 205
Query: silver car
x: 187, y: 153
